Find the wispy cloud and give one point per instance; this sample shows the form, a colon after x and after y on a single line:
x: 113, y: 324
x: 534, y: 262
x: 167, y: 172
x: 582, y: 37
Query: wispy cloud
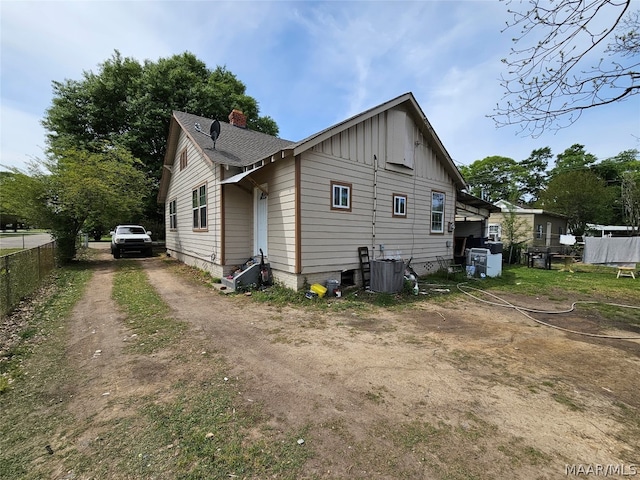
x: 309, y: 64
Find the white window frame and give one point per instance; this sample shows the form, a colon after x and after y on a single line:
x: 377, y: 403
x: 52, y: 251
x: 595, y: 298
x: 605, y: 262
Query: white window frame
x: 495, y: 229
x: 341, y: 196
x: 539, y: 231
x: 173, y: 214
x: 399, y: 205
x: 199, y: 207
x: 437, y: 216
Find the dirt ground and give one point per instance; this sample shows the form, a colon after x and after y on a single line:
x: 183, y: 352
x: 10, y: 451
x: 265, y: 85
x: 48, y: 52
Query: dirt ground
x: 501, y: 396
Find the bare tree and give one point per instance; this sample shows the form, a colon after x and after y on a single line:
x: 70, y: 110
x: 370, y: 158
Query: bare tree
x: 569, y: 56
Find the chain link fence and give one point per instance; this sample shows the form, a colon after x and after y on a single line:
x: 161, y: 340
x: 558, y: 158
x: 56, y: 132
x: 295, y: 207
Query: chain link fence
x: 21, y: 273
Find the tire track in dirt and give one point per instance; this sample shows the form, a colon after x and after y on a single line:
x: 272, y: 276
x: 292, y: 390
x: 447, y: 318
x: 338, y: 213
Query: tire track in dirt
x: 354, y: 380
x: 351, y: 384
x: 108, y: 379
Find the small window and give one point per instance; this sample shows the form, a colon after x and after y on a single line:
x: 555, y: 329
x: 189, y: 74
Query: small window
x: 341, y: 196
x: 199, y: 204
x: 173, y: 216
x: 494, y: 232
x: 539, y: 231
x: 399, y: 205
x: 437, y: 212
x: 560, y: 231
x: 183, y: 159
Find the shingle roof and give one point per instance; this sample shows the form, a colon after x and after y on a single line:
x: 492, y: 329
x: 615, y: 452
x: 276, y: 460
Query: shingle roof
x: 235, y: 146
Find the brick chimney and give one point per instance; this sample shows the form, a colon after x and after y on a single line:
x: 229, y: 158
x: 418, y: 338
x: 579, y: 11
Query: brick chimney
x: 237, y: 118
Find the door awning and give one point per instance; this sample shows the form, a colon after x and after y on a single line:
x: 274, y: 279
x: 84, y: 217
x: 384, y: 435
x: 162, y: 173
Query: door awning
x: 239, y: 176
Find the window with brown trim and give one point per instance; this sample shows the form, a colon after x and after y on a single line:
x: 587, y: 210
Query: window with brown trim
x: 437, y: 212
x: 399, y: 205
x: 199, y: 206
x: 341, y: 196
x: 183, y: 159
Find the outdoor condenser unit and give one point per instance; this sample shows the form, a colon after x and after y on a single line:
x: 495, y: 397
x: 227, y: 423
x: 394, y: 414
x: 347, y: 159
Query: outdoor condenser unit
x: 484, y: 262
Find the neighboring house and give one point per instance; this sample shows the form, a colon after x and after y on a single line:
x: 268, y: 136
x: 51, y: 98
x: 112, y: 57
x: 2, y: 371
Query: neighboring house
x: 596, y: 230
x: 539, y: 228
x: 381, y: 177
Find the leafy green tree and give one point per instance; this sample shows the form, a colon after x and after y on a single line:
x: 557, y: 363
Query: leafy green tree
x: 614, y: 171
x: 581, y: 196
x: 129, y: 104
x: 573, y: 159
x: 61, y: 194
x: 7, y: 208
x: 532, y: 174
x: 492, y: 178
x: 630, y: 190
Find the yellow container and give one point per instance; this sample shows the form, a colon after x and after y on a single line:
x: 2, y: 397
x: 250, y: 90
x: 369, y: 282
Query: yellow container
x: 318, y: 289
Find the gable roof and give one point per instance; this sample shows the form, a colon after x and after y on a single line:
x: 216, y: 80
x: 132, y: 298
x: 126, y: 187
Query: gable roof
x: 240, y: 147
x: 409, y: 101
x: 236, y: 147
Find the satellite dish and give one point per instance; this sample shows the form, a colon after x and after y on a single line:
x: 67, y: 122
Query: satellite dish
x: 214, y: 131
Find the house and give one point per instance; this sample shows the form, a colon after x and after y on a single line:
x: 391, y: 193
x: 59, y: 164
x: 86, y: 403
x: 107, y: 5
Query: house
x: 380, y: 179
x: 534, y: 227
x: 596, y: 230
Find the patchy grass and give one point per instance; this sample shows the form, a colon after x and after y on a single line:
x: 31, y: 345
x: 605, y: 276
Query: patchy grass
x: 218, y: 439
x: 147, y: 313
x: 36, y: 373
x: 200, y: 432
x: 586, y: 281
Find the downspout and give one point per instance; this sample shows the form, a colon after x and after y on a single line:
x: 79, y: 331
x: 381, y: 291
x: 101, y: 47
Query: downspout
x: 375, y: 205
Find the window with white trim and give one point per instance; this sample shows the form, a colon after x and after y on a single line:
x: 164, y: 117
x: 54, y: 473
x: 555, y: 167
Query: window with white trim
x: 173, y: 215
x: 437, y: 212
x: 539, y: 231
x: 341, y: 196
x: 199, y: 205
x: 494, y: 232
x: 399, y: 205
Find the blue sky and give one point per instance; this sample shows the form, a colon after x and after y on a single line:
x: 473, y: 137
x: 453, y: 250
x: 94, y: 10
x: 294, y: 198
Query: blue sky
x: 309, y: 65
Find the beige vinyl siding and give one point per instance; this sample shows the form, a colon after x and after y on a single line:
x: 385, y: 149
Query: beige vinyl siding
x: 330, y: 238
x: 238, y: 216
x: 282, y: 215
x: 239, y: 213
x: 202, y: 245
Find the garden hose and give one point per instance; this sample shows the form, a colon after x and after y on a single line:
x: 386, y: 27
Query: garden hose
x: 525, y: 311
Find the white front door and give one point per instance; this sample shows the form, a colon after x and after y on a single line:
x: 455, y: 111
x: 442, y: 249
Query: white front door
x: 260, y: 224
x: 548, y: 234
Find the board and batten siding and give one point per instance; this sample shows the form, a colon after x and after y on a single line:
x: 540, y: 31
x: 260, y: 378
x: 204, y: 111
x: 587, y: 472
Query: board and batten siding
x: 330, y: 238
x: 199, y: 248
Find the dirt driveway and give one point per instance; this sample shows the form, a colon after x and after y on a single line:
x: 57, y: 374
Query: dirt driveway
x: 452, y: 389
